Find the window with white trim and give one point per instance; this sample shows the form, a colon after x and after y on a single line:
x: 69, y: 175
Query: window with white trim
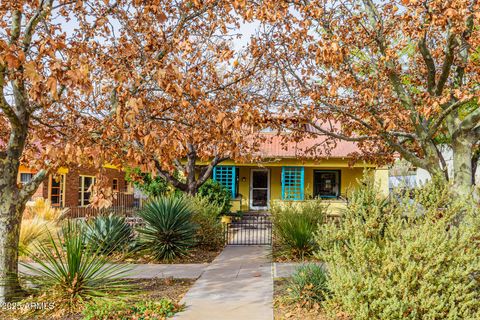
x: 57, y: 187
x: 26, y: 177
x: 115, y: 184
x: 85, y: 184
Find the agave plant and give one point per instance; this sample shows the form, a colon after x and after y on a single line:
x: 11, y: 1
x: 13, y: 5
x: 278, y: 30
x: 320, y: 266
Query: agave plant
x: 107, y: 234
x: 169, y: 231
x: 72, y: 270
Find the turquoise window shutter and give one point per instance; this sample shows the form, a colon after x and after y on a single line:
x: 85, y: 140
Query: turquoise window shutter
x: 226, y: 175
x: 293, y: 181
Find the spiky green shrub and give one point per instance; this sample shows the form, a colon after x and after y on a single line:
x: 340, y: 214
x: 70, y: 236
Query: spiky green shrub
x: 417, y: 257
x: 72, y: 271
x: 108, y: 234
x: 294, y: 226
x: 216, y: 194
x: 169, y: 231
x: 209, y: 234
x: 308, y: 285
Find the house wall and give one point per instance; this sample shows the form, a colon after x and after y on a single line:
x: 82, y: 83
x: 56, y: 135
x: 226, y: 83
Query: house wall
x: 71, y: 187
x: 349, y: 177
x: 72, y: 182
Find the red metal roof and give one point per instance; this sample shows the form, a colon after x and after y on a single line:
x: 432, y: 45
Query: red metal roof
x: 273, y: 145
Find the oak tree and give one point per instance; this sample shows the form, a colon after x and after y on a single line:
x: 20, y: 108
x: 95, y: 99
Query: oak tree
x: 393, y: 76
x: 182, y: 98
x: 45, y: 113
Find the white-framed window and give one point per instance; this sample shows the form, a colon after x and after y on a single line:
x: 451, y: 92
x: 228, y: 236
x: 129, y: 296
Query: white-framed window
x: 85, y: 184
x: 25, y: 177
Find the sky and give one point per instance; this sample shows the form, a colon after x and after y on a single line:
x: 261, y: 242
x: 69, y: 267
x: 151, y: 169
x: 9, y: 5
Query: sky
x: 246, y: 31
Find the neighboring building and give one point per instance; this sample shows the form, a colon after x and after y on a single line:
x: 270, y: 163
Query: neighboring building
x: 402, y: 175
x: 71, y: 188
x: 424, y: 176
x: 287, y: 172
x: 405, y: 175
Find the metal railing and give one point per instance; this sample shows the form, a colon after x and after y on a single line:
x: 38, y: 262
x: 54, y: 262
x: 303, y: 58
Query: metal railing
x: 123, y: 204
x: 250, y: 229
x: 86, y: 212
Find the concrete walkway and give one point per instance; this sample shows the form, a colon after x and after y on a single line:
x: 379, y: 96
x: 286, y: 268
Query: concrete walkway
x: 184, y: 271
x: 148, y: 271
x: 238, y: 284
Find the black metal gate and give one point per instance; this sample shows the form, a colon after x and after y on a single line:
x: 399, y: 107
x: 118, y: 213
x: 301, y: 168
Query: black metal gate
x: 250, y: 229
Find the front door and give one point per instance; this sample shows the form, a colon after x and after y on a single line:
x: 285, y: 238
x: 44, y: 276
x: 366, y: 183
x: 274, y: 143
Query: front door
x: 259, y: 189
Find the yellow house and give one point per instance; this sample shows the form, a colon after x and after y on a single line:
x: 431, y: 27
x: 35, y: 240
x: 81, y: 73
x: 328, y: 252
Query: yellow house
x: 293, y: 172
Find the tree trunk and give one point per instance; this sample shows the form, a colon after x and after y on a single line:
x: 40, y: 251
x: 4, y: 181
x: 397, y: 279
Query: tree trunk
x: 11, y: 211
x: 475, y: 159
x: 462, y: 146
x: 192, y: 189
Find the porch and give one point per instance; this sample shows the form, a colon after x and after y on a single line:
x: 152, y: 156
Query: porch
x: 255, y: 186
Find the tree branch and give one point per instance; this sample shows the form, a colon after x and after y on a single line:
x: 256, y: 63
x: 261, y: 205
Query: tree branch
x: 29, y: 188
x: 429, y: 62
x: 471, y: 121
x: 392, y: 73
x: 16, y: 26
x: 341, y: 136
x: 447, y: 64
x: 167, y: 176
x: 43, y: 10
x: 445, y: 112
x: 206, y: 172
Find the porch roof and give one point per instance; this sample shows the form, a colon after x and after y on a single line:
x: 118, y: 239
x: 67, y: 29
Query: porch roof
x: 276, y: 146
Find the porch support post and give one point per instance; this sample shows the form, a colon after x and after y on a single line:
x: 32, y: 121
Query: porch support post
x: 380, y: 176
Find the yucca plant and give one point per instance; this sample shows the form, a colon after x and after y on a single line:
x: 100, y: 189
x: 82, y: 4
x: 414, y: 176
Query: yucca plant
x: 296, y: 234
x: 169, y: 231
x: 73, y: 271
x: 107, y: 234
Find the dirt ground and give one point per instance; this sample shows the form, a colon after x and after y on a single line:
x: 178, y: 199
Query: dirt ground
x: 286, y: 310
x: 196, y: 255
x: 145, y: 289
